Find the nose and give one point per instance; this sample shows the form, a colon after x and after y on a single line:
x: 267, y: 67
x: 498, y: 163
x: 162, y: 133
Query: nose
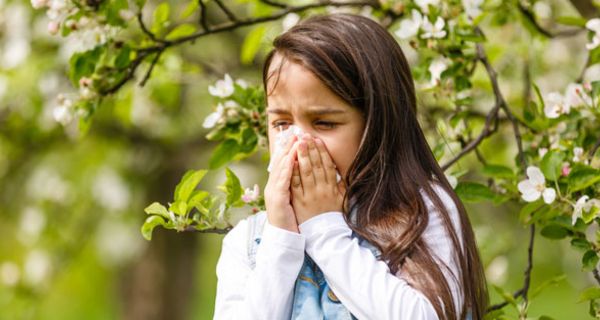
x: 307, y: 129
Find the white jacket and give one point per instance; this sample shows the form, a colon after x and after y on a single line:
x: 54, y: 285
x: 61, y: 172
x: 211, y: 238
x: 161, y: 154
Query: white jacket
x: 363, y: 284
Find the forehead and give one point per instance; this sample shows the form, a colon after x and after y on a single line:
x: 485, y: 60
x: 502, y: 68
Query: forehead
x: 295, y: 85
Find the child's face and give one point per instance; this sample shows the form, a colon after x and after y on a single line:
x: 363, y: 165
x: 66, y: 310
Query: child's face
x: 301, y: 99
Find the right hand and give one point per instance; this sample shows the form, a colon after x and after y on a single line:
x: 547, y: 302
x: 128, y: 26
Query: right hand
x: 280, y: 212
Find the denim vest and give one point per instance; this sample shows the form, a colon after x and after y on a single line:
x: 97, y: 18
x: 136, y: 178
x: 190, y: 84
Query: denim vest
x: 313, y: 299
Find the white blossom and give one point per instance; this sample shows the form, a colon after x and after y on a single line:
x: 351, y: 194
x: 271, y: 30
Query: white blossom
x: 542, y: 152
x: 594, y: 26
x: 436, y: 68
x: 556, y: 105
x: 251, y: 195
x: 63, y: 113
x: 575, y: 95
x: 37, y: 267
x: 472, y: 7
x: 424, y: 4
x: 433, y: 30
x: 222, y: 88
x: 535, y: 186
x: 583, y: 205
x: 213, y: 118
x: 38, y: 4
x: 9, y: 273
x: 409, y: 27
x: 577, y: 154
x: 289, y: 21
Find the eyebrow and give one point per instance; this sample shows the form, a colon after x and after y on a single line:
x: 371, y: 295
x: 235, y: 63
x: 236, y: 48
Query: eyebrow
x: 311, y: 111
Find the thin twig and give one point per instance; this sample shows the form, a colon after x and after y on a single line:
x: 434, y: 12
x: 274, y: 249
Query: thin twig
x: 530, y: 16
x: 163, y: 44
x: 203, y: 21
x: 211, y: 230
x: 228, y: 12
x: 274, y: 4
x: 149, y: 72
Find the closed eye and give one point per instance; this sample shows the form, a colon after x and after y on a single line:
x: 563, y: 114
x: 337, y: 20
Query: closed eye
x: 326, y: 124
x: 279, y: 123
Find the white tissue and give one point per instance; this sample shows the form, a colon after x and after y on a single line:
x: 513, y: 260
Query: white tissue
x: 281, y: 141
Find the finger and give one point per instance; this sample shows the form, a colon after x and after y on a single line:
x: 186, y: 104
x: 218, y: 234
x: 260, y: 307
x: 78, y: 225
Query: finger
x: 284, y: 174
x: 315, y: 161
x: 328, y: 164
x: 306, y: 171
x: 278, y: 156
x: 296, y: 181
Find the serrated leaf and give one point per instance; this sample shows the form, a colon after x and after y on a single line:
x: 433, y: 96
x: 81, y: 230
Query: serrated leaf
x: 224, y: 153
x: 591, y: 293
x: 582, y: 178
x: 252, y: 44
x: 498, y: 171
x: 554, y: 231
x: 551, y: 164
x: 179, y: 207
x: 589, y: 260
x: 553, y: 281
x: 232, y: 187
x: 149, y: 225
x: 180, y: 31
x: 474, y: 192
x: 189, y: 9
x: 160, y: 17
x: 157, y: 208
x: 188, y: 183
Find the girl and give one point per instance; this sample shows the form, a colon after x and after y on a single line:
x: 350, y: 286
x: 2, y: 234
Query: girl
x: 391, y: 240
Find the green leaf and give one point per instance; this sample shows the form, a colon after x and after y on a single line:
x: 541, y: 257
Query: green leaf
x: 188, y: 183
x: 223, y: 153
x: 189, y: 9
x: 589, y: 260
x: 83, y: 64
x: 550, y: 282
x: 498, y: 171
x: 589, y: 294
x: 554, y: 231
x: 551, y: 164
x: 181, y: 31
x: 150, y: 224
x: 474, y: 192
x: 595, y: 88
x: 197, y: 197
x: 528, y: 209
x: 581, y: 244
x: 157, y: 208
x: 232, y: 188
x: 582, y: 178
x: 161, y: 17
x: 572, y: 21
x: 179, y: 208
x: 252, y: 44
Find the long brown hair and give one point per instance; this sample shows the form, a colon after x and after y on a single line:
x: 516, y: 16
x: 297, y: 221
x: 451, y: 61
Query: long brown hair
x: 362, y: 63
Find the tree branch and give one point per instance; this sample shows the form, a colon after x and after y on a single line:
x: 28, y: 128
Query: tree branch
x: 163, y: 44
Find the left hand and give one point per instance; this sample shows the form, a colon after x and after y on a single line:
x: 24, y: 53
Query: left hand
x: 314, y: 186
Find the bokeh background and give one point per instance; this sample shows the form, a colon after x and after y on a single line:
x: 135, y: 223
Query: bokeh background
x: 71, y: 205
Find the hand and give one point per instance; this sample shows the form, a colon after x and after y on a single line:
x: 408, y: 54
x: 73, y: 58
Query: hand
x: 277, y: 191
x: 314, y: 186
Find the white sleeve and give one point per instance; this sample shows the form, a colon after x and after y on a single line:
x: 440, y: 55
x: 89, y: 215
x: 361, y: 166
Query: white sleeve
x: 265, y: 292
x: 363, y: 284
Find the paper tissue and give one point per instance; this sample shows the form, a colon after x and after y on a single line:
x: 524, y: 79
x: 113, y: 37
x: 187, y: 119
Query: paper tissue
x: 281, y: 141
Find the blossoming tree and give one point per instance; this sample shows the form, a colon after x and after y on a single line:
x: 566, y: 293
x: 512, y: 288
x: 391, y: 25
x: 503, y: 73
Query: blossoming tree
x: 464, y: 57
